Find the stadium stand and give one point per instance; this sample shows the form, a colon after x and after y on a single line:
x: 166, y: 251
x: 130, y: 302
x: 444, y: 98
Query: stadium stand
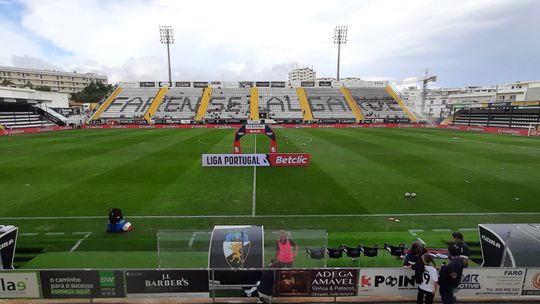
x: 304, y: 104
x: 329, y: 104
x: 22, y: 116
x: 508, y: 117
x: 160, y: 96
x: 280, y: 104
x: 254, y: 103
x: 230, y: 104
x: 105, y: 102
x: 179, y: 104
x: 130, y: 103
x: 378, y: 105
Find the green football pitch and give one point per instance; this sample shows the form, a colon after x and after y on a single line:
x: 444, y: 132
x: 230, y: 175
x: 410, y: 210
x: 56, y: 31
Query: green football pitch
x: 57, y: 187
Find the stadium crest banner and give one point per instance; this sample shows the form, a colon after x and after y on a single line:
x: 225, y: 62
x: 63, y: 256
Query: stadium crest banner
x: 257, y: 160
x: 82, y: 284
x: 18, y: 285
x: 491, y: 282
x: 167, y: 283
x: 8, y: 241
x: 317, y: 282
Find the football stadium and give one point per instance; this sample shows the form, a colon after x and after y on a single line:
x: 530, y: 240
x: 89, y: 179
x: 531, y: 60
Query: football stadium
x: 309, y: 190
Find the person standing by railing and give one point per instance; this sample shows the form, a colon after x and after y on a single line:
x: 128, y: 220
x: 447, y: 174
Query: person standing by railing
x: 285, y: 254
x: 428, y: 288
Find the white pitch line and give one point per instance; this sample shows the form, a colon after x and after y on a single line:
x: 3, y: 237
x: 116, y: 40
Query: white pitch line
x: 254, y: 201
x: 28, y: 233
x: 441, y: 230
x: 87, y: 234
x: 54, y: 233
x: 270, y: 216
x: 468, y: 229
x: 421, y: 241
x: 414, y: 231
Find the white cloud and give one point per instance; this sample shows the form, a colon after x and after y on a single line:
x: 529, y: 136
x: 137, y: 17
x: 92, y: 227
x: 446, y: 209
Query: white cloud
x: 241, y: 39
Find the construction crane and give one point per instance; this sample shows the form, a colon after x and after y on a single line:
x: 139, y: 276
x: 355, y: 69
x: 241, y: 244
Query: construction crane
x: 424, y: 80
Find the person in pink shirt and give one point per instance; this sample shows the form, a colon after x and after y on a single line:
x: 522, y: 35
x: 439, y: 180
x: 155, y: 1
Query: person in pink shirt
x: 286, y: 251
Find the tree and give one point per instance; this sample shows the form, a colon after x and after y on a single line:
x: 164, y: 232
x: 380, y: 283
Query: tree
x: 43, y: 88
x: 93, y: 92
x: 7, y: 83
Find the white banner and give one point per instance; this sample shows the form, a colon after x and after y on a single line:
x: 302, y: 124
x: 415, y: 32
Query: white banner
x: 387, y: 282
x: 490, y: 282
x: 18, y: 285
x: 531, y: 285
x: 235, y: 160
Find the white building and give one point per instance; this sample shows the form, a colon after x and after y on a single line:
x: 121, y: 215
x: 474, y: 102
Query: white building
x: 302, y: 74
x: 63, y: 82
x: 438, y: 99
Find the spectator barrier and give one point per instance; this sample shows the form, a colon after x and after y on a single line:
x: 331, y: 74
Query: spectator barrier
x: 509, y: 131
x: 517, y: 283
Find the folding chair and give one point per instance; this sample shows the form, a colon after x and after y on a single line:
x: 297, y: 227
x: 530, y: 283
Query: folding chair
x: 334, y: 253
x: 396, y: 251
x: 370, y: 251
x: 352, y: 252
x: 315, y: 254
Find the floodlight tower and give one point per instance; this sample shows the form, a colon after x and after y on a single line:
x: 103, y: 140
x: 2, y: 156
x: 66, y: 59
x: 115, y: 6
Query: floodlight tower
x: 167, y: 37
x: 340, y: 37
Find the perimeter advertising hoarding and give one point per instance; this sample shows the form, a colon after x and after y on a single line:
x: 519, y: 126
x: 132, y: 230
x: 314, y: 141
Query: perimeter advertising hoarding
x: 491, y: 282
x: 262, y: 84
x: 82, y: 284
x: 307, y: 83
x: 257, y: 160
x: 167, y: 84
x: 18, y: 285
x: 387, y: 282
x: 325, y: 83
x: 182, y: 84
x: 277, y: 84
x: 200, y: 84
x: 166, y: 283
x: 531, y: 285
x: 317, y: 282
x: 147, y: 84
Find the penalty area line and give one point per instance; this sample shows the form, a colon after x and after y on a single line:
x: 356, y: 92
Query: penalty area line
x: 271, y: 216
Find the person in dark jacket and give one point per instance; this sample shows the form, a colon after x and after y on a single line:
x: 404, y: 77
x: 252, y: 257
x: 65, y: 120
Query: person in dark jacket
x: 414, y: 254
x: 450, y: 275
x: 463, y: 247
x: 265, y: 286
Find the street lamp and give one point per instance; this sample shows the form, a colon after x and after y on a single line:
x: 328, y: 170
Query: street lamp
x: 340, y: 37
x: 167, y: 37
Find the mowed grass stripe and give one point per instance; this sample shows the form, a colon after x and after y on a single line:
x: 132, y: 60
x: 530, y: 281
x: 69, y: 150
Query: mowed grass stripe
x: 372, y: 172
x: 205, y: 191
x: 471, y: 186
x: 300, y: 190
x: 479, y: 174
x: 79, y: 191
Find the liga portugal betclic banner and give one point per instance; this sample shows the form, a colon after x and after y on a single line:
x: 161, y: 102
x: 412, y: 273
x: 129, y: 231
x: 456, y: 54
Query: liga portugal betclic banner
x: 258, y: 160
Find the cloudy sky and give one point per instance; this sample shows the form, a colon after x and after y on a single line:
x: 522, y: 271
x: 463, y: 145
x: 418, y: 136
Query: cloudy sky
x: 463, y: 42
